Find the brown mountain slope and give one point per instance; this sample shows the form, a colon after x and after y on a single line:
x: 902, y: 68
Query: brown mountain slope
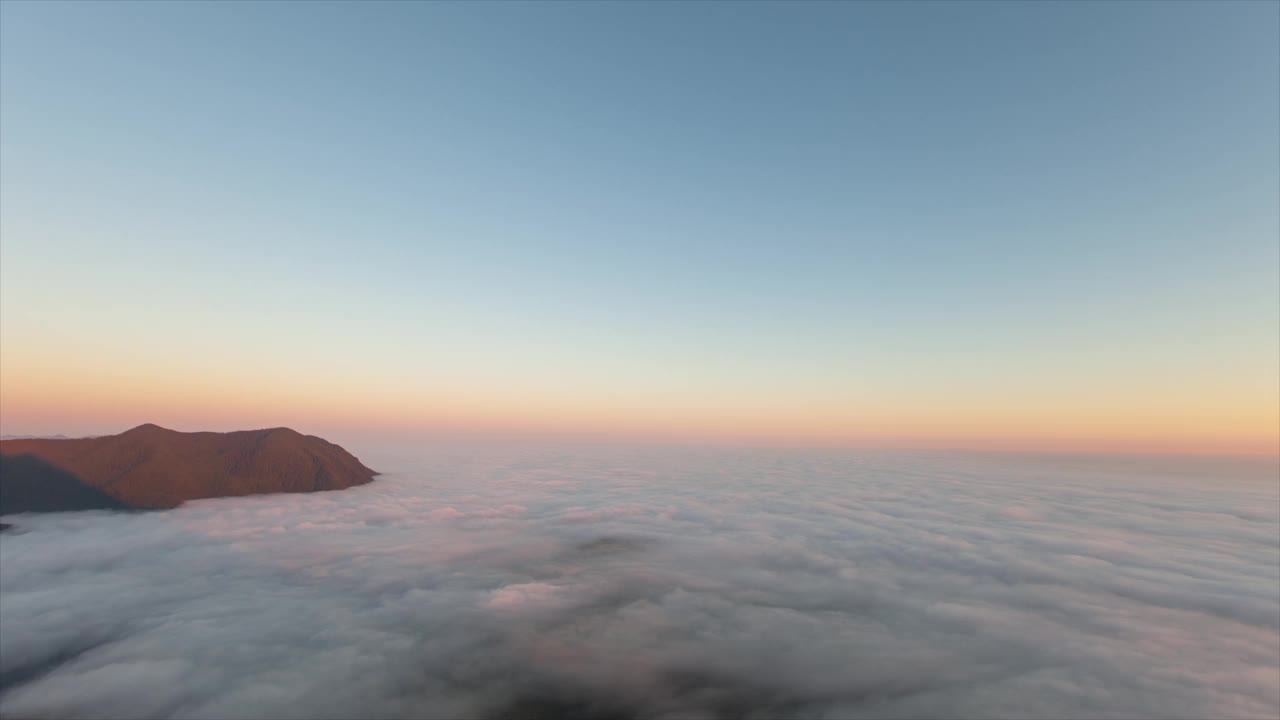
x: 151, y: 467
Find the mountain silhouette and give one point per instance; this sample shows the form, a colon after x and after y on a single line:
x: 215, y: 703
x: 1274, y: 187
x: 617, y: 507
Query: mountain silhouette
x: 150, y: 467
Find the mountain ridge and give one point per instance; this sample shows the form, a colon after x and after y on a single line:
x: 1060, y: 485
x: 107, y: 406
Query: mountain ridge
x: 151, y: 467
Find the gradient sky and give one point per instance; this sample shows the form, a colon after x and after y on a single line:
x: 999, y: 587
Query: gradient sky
x: 1006, y: 225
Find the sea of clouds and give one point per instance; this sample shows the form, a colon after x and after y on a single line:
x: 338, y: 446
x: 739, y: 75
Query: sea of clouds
x: 625, y: 583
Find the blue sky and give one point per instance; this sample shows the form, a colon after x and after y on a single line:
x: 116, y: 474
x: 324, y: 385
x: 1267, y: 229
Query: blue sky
x: 814, y: 203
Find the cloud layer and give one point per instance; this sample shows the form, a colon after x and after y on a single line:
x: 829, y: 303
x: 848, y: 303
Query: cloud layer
x: 625, y: 584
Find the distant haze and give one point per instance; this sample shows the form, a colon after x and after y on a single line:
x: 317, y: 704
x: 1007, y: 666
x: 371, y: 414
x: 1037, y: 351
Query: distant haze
x: 986, y: 225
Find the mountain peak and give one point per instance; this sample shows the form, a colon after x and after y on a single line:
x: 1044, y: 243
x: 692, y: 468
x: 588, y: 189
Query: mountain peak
x: 146, y: 428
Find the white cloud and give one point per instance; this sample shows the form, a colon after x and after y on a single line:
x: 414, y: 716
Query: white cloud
x: 630, y: 584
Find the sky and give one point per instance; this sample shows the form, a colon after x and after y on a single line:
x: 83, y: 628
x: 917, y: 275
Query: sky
x: 1038, y: 226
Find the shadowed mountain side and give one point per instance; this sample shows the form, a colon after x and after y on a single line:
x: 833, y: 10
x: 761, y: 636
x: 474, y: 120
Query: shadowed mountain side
x: 29, y: 484
x: 152, y: 467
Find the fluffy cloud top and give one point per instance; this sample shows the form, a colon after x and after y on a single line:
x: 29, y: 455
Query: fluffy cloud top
x: 625, y: 584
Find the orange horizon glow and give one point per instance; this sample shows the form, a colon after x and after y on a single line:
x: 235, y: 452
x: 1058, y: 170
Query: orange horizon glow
x: 48, y: 396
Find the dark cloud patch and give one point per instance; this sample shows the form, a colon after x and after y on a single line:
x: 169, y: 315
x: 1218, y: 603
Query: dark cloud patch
x: 630, y: 585
x: 610, y: 546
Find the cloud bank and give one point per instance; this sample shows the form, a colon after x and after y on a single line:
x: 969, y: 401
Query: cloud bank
x: 623, y: 584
